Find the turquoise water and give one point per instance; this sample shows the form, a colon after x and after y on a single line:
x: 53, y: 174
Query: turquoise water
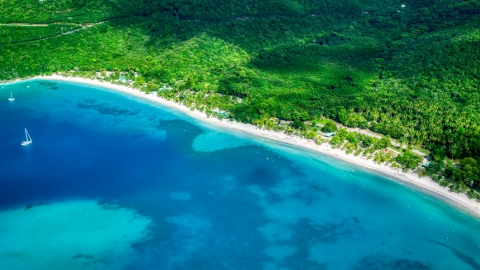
x: 116, y: 182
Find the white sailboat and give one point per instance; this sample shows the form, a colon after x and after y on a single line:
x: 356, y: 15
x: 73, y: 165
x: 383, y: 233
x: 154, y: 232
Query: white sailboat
x: 11, y: 98
x: 28, y: 139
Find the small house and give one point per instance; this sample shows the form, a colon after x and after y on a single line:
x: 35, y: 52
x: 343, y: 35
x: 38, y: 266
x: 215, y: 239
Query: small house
x: 223, y: 114
x: 122, y: 79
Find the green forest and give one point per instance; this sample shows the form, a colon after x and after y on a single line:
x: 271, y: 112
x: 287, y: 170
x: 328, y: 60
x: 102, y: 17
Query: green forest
x: 407, y: 69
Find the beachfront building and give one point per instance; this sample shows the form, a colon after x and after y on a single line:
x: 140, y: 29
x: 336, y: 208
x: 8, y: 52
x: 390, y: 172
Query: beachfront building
x: 330, y: 134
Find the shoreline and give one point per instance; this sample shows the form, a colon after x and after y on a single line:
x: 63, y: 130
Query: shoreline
x: 425, y: 184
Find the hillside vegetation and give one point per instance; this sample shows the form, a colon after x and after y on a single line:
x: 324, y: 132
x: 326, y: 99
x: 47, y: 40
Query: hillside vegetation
x: 407, y: 69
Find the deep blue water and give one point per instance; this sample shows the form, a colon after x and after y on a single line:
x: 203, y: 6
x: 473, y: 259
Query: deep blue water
x: 215, y: 199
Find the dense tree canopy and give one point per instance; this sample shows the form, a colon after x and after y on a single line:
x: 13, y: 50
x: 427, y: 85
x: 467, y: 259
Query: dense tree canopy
x: 409, y: 70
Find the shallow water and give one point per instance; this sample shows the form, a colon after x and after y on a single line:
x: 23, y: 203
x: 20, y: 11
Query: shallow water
x: 175, y: 193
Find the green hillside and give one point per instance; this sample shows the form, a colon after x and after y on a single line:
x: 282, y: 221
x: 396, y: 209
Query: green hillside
x: 407, y: 69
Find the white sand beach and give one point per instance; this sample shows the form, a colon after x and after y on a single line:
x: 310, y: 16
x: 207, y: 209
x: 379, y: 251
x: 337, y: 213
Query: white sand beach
x: 425, y: 184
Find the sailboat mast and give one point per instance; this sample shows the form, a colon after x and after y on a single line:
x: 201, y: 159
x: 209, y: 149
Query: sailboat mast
x: 27, y: 136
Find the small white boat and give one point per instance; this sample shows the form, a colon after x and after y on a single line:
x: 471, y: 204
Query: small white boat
x: 11, y: 98
x: 28, y: 140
